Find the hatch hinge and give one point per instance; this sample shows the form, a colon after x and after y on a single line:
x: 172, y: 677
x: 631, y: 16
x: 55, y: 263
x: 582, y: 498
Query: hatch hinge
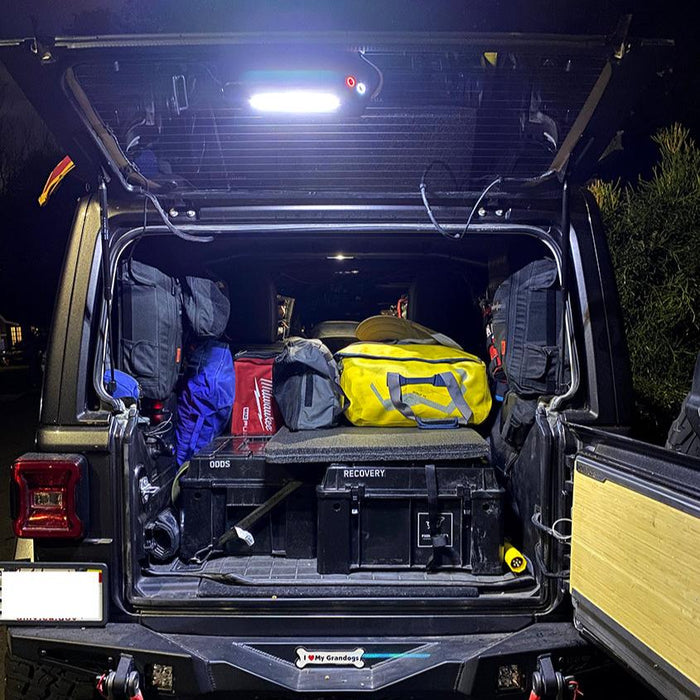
x: 618, y: 40
x: 41, y: 46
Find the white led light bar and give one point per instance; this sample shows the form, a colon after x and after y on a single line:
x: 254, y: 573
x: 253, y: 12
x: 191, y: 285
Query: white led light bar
x: 295, y: 102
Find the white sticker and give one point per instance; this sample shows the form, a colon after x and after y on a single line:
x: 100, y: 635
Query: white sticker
x: 330, y: 658
x: 51, y: 595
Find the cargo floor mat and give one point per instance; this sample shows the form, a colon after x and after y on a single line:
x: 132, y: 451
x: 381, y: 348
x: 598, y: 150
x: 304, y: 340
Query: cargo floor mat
x: 352, y: 444
x: 261, y: 569
x: 262, y: 576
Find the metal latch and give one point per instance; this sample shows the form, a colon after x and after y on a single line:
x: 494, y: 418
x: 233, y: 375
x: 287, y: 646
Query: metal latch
x: 355, y: 500
x: 146, y: 489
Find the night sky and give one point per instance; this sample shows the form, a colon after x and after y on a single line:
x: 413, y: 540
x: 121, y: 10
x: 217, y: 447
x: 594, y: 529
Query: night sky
x: 32, y: 240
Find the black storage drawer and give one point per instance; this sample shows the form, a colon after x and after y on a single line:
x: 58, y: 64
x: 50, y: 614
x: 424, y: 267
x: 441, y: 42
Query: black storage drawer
x: 228, y: 480
x: 377, y: 517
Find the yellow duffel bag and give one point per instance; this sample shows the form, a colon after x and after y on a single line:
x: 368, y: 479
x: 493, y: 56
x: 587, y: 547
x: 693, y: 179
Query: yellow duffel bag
x: 407, y: 384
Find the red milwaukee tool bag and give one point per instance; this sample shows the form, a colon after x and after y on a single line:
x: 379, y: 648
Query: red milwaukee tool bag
x: 254, y: 409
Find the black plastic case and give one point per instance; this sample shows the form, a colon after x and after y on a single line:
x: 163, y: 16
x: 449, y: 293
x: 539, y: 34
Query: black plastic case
x: 377, y: 517
x: 229, y: 479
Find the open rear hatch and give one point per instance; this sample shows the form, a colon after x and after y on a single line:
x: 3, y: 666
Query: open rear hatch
x: 368, y: 113
x: 246, y: 145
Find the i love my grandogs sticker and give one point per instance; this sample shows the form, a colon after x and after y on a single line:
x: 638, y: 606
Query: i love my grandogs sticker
x: 306, y: 657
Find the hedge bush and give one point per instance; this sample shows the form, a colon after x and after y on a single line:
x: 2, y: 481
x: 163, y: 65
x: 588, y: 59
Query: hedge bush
x: 653, y: 229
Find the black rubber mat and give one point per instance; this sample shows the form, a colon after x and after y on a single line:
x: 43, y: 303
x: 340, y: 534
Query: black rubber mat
x: 262, y: 576
x: 263, y: 568
x: 353, y: 444
x: 293, y: 577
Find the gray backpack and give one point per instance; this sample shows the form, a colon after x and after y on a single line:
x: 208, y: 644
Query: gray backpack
x: 206, y: 306
x: 306, y: 385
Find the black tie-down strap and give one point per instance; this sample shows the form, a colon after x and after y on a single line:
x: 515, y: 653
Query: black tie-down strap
x: 240, y: 530
x: 438, y: 539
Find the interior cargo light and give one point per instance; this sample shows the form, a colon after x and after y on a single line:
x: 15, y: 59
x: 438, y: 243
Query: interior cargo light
x: 295, y: 102
x: 47, y: 493
x: 340, y: 257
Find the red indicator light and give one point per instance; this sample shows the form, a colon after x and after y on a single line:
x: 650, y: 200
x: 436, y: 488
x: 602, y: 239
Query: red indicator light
x: 156, y: 410
x: 350, y: 81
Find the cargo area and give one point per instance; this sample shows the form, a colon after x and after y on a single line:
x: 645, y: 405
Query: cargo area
x: 260, y: 227
x: 360, y: 522
x: 353, y: 514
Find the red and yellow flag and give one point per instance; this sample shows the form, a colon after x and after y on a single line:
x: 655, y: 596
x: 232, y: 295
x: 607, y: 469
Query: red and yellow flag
x: 57, y: 174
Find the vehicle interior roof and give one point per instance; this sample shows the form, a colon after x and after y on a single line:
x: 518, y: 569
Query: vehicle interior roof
x: 372, y: 274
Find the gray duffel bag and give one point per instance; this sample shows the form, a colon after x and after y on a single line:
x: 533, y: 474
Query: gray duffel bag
x: 306, y: 385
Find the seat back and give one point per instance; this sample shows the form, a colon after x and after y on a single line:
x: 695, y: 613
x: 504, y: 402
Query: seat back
x: 335, y: 335
x: 254, y: 319
x: 443, y: 301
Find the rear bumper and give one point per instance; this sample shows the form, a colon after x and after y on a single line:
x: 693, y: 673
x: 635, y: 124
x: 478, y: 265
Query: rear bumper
x: 449, y: 666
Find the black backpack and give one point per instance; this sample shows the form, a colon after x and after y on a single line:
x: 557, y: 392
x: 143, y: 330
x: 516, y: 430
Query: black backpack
x: 206, y: 306
x: 526, y: 315
x: 524, y: 335
x: 151, y: 328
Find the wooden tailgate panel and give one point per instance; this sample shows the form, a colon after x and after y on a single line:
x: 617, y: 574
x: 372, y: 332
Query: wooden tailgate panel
x: 637, y: 559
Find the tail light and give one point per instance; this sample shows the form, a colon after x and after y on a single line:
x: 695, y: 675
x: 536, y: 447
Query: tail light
x: 50, y: 495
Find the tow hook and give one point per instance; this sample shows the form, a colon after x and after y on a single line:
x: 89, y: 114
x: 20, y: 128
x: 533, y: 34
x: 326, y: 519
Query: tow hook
x: 122, y: 683
x: 548, y: 683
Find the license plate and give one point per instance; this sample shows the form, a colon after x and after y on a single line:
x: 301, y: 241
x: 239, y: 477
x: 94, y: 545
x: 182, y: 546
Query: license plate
x: 54, y: 594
